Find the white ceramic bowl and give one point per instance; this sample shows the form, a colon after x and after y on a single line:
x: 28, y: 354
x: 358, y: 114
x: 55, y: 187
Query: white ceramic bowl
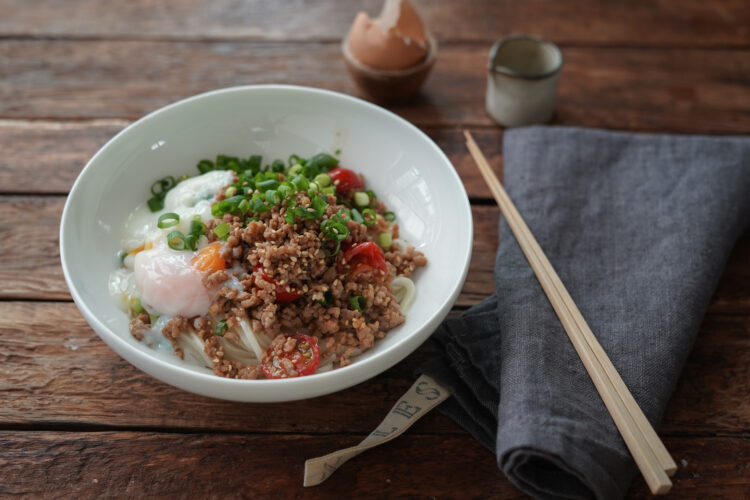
x: 400, y: 163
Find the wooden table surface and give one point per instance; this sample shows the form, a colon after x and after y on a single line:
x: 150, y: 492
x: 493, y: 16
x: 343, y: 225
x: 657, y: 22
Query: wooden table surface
x: 78, y: 421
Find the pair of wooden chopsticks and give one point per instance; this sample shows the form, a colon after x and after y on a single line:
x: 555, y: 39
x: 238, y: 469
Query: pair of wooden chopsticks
x: 649, y: 452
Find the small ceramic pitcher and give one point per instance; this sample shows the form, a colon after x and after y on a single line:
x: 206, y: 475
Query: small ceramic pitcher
x: 522, y: 80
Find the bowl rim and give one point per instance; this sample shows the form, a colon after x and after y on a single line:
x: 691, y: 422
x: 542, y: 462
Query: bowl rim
x: 358, y: 371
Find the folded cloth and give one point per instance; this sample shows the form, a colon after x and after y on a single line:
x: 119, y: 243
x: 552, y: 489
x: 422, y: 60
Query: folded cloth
x: 639, y: 228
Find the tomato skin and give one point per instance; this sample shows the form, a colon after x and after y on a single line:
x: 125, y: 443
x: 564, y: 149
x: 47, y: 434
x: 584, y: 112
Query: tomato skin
x: 364, y: 257
x: 305, y: 357
x: 283, y: 295
x: 345, y: 179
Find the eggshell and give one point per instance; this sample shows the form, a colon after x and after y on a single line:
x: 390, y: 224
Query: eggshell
x: 394, y: 40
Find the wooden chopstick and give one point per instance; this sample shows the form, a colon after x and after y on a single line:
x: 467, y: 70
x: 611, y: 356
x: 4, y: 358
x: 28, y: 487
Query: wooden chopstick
x: 649, y: 452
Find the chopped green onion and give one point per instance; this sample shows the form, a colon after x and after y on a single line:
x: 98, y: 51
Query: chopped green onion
x: 197, y: 227
x: 167, y: 220
x: 267, y: 184
x: 205, y: 166
x: 328, y: 190
x: 289, y: 217
x: 312, y: 187
x: 222, y: 231
x: 221, y: 327
x: 344, y: 214
x: 296, y: 160
x: 389, y: 216
x: 361, y: 199
x: 159, y: 191
x: 191, y: 241
x: 300, y: 182
x: 230, y: 191
x: 327, y: 299
x: 323, y: 161
x: 285, y: 189
x: 385, y: 240
x: 371, y: 194
x: 161, y: 186
x: 216, y: 210
x: 253, y: 163
x: 176, y: 240
x: 335, y: 229
x: 337, y: 152
x: 153, y: 318
x: 306, y: 213
x: 257, y: 205
x: 356, y: 216
x: 319, y: 205
x: 155, y: 203
x: 358, y: 303
x: 233, y: 164
x: 277, y: 166
x: 272, y: 196
x: 121, y: 255
x: 243, y: 206
x: 295, y: 169
x: 136, y: 306
x: 323, y: 180
x: 370, y: 217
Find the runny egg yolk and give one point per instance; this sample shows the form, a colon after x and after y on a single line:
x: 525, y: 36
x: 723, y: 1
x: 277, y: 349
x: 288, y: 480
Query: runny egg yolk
x: 171, y: 282
x: 209, y: 259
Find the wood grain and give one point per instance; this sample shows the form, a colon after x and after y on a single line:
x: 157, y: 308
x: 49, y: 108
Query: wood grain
x: 29, y: 248
x: 144, y: 464
x: 63, y: 373
x: 664, y: 23
x: 46, y: 157
x: 618, y: 88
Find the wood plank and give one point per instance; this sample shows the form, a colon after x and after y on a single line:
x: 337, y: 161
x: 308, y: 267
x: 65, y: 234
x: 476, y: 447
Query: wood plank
x: 137, y: 465
x: 46, y: 157
x: 63, y: 373
x: 94, y: 465
x: 61, y: 149
x: 712, y: 393
x: 30, y: 248
x: 618, y: 88
x: 665, y: 23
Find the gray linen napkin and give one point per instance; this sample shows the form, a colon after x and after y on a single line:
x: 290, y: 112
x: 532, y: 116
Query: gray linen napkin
x: 639, y: 228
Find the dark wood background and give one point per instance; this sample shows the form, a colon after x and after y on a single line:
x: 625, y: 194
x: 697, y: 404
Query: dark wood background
x: 78, y: 421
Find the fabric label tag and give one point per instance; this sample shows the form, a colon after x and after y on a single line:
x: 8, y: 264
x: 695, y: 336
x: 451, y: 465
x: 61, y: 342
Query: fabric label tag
x: 422, y: 397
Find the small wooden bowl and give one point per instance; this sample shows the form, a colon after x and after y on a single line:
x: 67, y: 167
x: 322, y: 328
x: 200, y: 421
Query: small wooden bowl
x: 389, y: 85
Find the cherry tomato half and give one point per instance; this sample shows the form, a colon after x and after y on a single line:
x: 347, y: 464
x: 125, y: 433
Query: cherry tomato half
x: 282, y: 294
x: 304, y: 358
x: 345, y: 179
x: 364, y: 257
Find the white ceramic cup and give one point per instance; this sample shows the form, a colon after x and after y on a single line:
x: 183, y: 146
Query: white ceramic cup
x: 522, y: 80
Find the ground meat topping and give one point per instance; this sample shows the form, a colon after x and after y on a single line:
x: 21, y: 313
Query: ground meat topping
x: 285, y: 277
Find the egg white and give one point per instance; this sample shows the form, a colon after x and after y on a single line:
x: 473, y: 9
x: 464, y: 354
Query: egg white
x: 162, y: 278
